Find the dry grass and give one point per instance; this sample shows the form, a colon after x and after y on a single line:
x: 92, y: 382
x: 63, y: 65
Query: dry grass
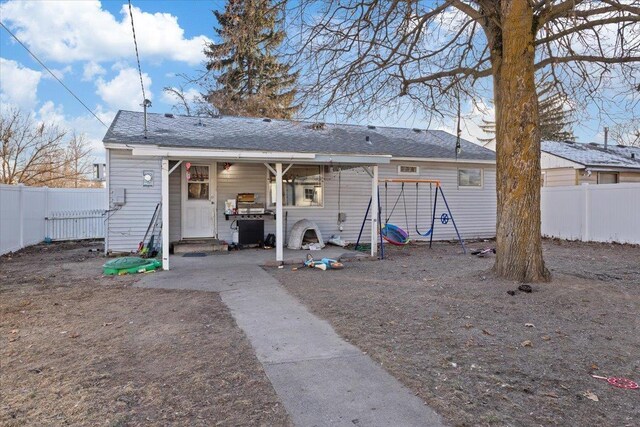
x: 80, y: 349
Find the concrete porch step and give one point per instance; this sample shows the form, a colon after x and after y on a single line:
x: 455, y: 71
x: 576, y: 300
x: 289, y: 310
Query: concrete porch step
x: 199, y: 245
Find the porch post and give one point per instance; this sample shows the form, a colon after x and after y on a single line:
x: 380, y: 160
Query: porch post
x: 165, y: 214
x: 279, y: 215
x: 374, y: 211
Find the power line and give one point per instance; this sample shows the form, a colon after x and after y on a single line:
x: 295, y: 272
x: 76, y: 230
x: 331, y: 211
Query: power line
x: 135, y: 43
x: 54, y: 76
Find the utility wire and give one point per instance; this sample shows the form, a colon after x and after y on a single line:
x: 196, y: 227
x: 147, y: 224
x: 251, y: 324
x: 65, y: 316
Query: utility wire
x: 135, y: 43
x: 54, y: 76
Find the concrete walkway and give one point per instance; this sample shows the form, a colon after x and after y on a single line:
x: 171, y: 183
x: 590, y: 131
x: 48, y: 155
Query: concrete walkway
x: 321, y: 379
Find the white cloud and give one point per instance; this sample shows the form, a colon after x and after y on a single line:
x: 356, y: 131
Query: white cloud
x: 92, y: 69
x: 19, y: 84
x: 83, y: 31
x: 191, y: 95
x: 471, y: 121
x: 58, y: 72
x: 85, y: 124
x: 123, y: 92
x: 50, y: 113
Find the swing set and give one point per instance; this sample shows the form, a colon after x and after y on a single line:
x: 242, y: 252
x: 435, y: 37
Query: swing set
x: 395, y: 235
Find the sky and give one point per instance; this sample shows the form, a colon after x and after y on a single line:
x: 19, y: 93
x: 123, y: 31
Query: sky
x: 88, y: 44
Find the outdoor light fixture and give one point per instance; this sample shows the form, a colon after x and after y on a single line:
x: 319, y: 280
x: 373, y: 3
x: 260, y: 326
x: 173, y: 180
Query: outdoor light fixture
x: 227, y: 166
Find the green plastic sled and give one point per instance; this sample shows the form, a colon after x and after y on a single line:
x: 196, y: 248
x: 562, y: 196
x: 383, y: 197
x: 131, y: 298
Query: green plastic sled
x: 129, y: 265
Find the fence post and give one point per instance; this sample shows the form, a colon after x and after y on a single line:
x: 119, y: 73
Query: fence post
x: 21, y: 213
x: 46, y: 211
x: 585, y: 213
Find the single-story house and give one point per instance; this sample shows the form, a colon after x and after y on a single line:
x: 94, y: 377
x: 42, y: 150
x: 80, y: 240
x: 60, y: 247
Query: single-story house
x: 282, y: 171
x: 572, y: 163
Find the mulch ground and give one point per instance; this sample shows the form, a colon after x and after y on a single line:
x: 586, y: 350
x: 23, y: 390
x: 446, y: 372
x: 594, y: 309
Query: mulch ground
x: 446, y: 327
x: 81, y: 349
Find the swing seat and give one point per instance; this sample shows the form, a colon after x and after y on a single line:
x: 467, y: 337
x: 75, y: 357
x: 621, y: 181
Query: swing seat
x: 394, y: 235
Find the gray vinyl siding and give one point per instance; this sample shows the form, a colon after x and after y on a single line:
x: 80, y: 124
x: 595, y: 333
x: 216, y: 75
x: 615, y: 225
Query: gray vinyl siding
x: 474, y: 209
x: 175, y: 203
x: 127, y: 225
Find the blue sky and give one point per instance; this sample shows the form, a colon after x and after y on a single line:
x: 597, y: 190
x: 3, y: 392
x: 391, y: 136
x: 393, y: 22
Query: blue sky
x: 90, y: 47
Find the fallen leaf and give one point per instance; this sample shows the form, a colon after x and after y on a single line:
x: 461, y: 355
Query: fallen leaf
x: 484, y: 331
x: 551, y: 394
x: 468, y: 325
x: 591, y: 396
x: 75, y: 335
x: 526, y: 343
x: 15, y: 331
x: 109, y: 323
x: 594, y: 367
x: 529, y: 325
x: 546, y: 338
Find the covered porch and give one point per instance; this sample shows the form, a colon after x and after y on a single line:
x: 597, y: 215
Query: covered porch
x: 230, y: 172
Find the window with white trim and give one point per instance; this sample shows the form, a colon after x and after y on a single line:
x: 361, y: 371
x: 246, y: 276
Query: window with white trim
x: 302, y: 186
x: 408, y: 170
x: 470, y: 178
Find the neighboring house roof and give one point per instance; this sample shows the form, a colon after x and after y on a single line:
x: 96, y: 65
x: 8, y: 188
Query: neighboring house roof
x: 244, y: 133
x: 594, y: 155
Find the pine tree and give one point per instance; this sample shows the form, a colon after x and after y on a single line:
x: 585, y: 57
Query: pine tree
x: 249, y: 78
x: 555, y: 118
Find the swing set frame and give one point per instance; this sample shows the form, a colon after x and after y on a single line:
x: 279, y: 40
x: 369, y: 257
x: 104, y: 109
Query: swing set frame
x: 430, y: 232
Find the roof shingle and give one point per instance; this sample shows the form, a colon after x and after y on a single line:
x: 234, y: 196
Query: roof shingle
x: 288, y: 136
x: 595, y: 155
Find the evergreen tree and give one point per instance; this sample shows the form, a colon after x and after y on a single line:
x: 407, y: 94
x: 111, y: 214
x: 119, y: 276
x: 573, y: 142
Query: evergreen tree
x: 555, y: 118
x: 249, y: 78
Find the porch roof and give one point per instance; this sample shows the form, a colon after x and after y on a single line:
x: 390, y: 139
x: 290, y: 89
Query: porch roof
x: 320, y: 141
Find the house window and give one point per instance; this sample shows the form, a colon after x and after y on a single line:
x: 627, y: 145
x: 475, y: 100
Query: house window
x: 470, y: 178
x: 309, y: 193
x: 408, y: 170
x: 302, y: 186
x: 607, y: 177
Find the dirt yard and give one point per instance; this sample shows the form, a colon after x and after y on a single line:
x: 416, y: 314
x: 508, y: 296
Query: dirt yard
x: 442, y: 324
x: 81, y: 349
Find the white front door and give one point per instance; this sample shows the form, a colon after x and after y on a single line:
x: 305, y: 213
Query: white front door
x: 198, y: 208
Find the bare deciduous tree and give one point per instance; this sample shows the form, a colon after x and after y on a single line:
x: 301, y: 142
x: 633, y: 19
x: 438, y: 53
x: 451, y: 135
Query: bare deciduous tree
x: 364, y: 54
x: 627, y: 133
x: 40, y: 154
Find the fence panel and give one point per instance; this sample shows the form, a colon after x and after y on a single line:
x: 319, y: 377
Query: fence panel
x: 10, y: 238
x: 75, y: 225
x: 23, y: 211
x: 595, y: 213
x: 561, y: 213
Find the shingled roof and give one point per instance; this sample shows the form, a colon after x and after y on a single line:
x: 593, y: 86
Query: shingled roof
x: 595, y: 155
x: 253, y: 134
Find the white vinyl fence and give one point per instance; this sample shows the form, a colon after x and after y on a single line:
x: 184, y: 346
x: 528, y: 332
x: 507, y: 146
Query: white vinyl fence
x: 592, y: 213
x: 30, y: 214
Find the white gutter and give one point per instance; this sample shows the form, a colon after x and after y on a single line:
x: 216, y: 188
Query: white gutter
x: 434, y: 159
x: 195, y: 153
x: 173, y: 152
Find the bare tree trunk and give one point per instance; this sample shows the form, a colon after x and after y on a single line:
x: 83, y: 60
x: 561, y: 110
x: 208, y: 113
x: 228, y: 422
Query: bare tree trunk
x: 519, y: 245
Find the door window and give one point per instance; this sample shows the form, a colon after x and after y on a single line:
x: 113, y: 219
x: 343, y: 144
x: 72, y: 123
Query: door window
x: 198, y: 183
